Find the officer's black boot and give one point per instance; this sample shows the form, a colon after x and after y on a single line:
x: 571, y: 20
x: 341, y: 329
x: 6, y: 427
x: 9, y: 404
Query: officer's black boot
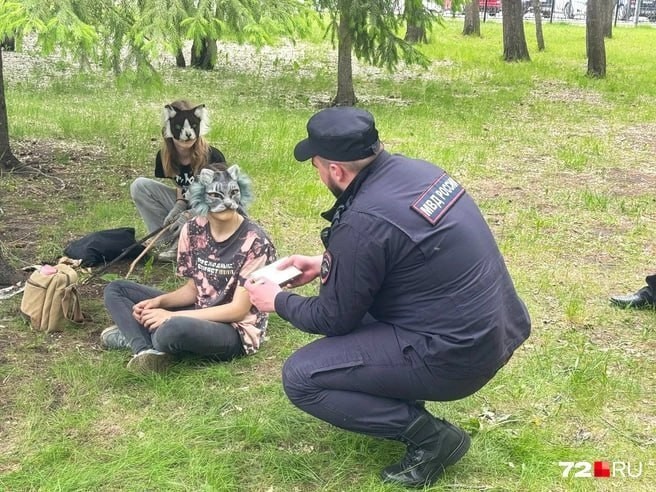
x: 433, y: 444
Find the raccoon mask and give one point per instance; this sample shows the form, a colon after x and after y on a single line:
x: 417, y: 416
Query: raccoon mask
x: 217, y: 191
x: 185, y: 124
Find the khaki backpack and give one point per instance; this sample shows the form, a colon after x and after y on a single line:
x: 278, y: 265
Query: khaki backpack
x: 50, y: 300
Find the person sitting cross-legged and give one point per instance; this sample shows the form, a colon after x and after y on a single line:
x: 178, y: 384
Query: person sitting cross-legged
x: 183, y: 154
x: 211, y: 314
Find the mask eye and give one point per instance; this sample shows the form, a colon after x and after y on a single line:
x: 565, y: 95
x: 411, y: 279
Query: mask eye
x: 215, y: 195
x: 177, y: 127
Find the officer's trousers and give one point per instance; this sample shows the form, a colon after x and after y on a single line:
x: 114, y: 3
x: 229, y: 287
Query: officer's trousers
x: 365, y: 382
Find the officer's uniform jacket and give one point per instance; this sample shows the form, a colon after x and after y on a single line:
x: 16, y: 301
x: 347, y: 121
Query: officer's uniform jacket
x: 408, y: 246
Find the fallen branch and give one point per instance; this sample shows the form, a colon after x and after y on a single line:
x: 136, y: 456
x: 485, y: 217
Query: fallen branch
x: 149, y: 246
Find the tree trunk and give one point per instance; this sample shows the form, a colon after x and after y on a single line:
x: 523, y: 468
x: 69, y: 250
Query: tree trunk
x: 180, y: 59
x: 345, y: 92
x: 594, y: 37
x: 8, y: 43
x: 472, y: 20
x: 608, y: 10
x: 7, y: 158
x: 537, y: 12
x: 204, y: 56
x: 8, y: 274
x: 415, y: 34
x: 514, y: 40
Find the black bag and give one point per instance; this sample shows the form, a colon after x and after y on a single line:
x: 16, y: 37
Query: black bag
x: 102, y: 247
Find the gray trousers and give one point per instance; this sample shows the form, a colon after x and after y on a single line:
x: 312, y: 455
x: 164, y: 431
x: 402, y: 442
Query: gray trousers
x: 179, y: 335
x: 154, y: 200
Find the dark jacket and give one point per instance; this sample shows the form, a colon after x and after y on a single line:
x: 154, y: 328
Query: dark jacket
x: 409, y: 246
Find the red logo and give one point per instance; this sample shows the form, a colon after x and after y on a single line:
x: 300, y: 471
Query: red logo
x: 601, y: 469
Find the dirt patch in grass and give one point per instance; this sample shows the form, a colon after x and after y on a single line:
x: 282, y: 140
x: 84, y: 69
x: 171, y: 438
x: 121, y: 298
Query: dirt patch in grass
x: 66, y: 174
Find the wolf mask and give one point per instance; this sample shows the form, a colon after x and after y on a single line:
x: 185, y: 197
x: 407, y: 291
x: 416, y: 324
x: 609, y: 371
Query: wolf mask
x: 217, y: 191
x: 185, y: 124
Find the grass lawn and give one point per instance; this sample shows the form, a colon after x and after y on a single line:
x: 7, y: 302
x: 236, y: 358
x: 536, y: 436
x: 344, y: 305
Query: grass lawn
x: 561, y: 165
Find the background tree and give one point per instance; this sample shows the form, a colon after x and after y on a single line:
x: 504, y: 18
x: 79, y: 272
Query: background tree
x: 129, y: 34
x: 54, y: 25
x: 514, y: 40
x: 7, y: 158
x: 537, y: 12
x: 258, y: 22
x: 418, y: 16
x: 369, y: 29
x: 609, y: 16
x: 594, y: 37
x: 8, y: 274
x: 472, y: 25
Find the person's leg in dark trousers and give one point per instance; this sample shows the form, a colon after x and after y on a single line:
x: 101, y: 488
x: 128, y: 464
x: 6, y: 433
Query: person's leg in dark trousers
x: 182, y: 335
x: 120, y: 297
x: 365, y: 383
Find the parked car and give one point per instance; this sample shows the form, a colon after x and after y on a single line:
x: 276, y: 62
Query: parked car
x: 626, y: 9
x: 493, y: 6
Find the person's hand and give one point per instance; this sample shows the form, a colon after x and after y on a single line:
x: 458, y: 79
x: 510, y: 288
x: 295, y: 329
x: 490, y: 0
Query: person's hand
x: 154, y: 318
x: 177, y: 217
x: 138, y: 308
x: 309, y: 265
x: 176, y: 226
x: 263, y: 294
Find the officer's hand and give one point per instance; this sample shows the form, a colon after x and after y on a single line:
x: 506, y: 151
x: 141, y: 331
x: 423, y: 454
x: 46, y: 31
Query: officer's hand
x: 309, y: 265
x: 263, y: 294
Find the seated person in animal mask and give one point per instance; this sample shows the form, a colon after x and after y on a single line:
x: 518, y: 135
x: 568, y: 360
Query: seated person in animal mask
x: 211, y: 314
x: 183, y: 154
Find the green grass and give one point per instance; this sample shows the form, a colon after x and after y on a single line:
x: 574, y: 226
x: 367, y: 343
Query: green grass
x: 561, y: 165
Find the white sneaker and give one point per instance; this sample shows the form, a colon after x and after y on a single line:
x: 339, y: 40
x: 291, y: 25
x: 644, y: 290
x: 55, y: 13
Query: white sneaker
x: 150, y: 360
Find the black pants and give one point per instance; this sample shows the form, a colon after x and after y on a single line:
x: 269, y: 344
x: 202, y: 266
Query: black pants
x: 364, y: 382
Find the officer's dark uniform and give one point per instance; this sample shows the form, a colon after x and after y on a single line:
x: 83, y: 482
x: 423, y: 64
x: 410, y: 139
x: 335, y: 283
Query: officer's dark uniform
x: 416, y: 302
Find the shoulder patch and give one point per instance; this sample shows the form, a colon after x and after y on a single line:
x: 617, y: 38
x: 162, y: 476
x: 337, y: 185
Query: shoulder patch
x: 326, y: 265
x: 438, y: 198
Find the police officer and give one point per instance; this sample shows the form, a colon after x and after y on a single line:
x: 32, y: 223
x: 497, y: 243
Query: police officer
x: 415, y: 301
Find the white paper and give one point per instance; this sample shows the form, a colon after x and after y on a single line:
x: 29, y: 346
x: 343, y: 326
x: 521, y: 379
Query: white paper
x: 272, y: 273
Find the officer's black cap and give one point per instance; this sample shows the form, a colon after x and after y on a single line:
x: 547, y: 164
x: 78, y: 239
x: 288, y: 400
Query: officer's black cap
x: 342, y: 133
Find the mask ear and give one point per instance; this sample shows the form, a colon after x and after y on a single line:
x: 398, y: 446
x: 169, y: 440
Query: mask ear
x: 167, y: 113
x: 234, y: 172
x: 206, y: 176
x: 204, y: 116
x: 245, y: 186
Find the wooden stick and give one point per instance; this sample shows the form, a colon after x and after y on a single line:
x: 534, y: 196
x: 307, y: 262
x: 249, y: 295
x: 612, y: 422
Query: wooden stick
x: 148, y: 247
